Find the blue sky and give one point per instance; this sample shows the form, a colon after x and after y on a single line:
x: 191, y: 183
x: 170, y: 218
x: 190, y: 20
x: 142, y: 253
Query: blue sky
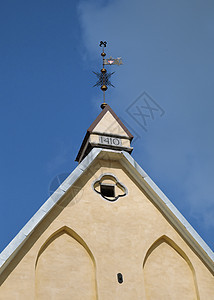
x: 48, y: 51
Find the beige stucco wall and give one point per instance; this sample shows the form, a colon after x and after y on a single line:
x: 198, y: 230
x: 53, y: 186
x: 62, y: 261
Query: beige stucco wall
x: 77, y: 251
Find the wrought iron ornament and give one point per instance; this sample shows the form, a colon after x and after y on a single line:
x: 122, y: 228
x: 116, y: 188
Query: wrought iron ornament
x: 103, y: 75
x: 103, y: 79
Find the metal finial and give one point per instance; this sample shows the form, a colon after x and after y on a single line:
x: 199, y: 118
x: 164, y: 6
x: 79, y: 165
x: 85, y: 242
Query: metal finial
x: 103, y: 75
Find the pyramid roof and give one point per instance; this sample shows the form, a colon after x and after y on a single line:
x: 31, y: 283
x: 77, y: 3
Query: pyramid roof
x: 107, y: 122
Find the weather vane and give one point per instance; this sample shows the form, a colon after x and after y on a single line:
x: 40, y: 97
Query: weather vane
x: 104, y: 76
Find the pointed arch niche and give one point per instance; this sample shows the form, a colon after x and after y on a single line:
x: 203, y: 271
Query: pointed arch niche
x: 65, y: 268
x: 168, y: 273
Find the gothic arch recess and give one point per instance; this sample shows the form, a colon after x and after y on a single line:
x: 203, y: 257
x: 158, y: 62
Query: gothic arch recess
x: 168, y: 271
x: 65, y: 268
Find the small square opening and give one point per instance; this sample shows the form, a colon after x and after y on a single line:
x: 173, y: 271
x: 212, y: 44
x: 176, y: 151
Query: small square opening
x: 107, y: 190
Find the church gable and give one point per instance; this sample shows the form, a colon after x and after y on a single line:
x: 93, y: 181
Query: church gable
x: 96, y: 237
x: 107, y: 132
